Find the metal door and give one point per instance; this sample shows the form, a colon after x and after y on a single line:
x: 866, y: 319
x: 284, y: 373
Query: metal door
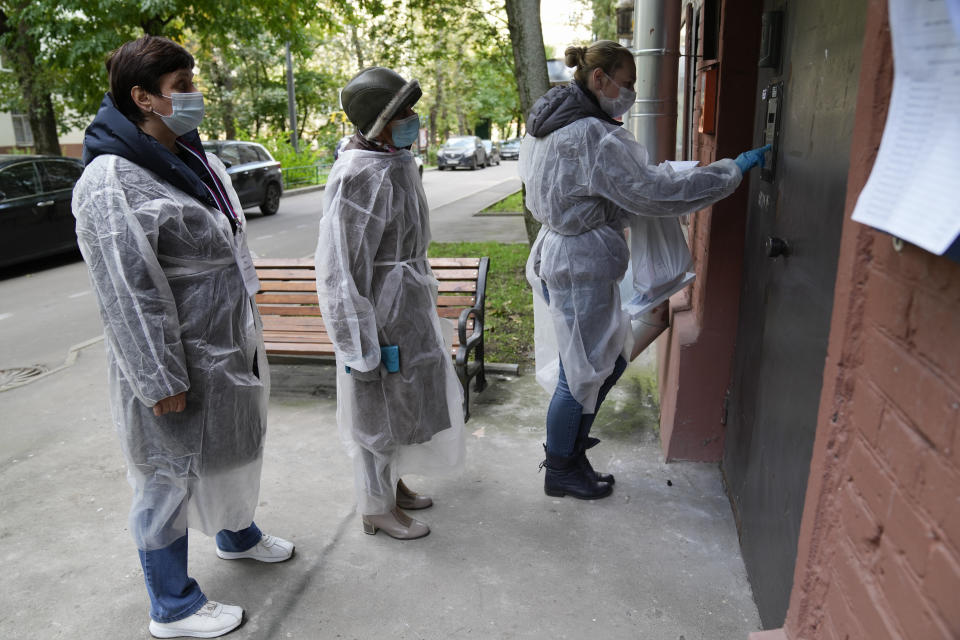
x: 792, y: 242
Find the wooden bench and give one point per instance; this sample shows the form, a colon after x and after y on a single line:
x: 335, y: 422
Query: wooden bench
x: 293, y: 326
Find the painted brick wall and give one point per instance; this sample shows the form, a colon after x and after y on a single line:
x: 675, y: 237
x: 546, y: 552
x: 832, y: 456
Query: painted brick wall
x: 879, y: 553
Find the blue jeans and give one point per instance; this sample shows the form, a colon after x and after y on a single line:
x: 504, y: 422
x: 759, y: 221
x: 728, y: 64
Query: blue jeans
x: 566, y: 422
x: 173, y: 594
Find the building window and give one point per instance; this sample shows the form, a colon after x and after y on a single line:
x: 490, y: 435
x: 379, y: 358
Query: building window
x: 21, y: 129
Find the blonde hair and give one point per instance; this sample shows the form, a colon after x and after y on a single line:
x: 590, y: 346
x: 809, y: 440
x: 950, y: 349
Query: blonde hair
x: 605, y: 54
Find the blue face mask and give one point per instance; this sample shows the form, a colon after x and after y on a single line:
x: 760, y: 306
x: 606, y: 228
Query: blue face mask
x: 405, y: 131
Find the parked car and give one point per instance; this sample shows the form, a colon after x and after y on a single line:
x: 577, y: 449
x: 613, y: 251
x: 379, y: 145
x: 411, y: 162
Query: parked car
x: 510, y: 150
x: 493, y: 152
x: 256, y: 176
x: 35, y: 216
x: 419, y: 161
x: 461, y: 151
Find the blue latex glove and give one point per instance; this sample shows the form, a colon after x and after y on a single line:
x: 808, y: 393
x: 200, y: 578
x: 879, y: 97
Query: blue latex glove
x: 749, y: 159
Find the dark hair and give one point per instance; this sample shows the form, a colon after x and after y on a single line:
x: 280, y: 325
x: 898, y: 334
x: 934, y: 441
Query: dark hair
x: 142, y: 62
x: 605, y: 54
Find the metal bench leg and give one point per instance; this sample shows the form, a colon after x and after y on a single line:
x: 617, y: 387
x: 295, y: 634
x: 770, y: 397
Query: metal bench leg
x: 481, y: 374
x: 464, y: 378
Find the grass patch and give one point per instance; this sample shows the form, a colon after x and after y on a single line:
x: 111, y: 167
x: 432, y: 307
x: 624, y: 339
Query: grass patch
x: 513, y: 203
x: 508, y: 334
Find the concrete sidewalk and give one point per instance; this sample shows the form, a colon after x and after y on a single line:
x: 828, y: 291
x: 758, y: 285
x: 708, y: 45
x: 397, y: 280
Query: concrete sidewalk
x: 458, y: 221
x: 658, y: 559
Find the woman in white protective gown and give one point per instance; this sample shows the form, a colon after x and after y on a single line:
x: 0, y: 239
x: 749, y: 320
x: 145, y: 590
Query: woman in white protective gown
x: 163, y: 235
x: 586, y: 179
x: 399, y: 402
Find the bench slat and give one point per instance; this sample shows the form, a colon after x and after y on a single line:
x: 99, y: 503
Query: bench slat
x: 283, y: 262
x: 287, y: 274
x: 456, y: 274
x: 456, y: 301
x: 294, y: 337
x: 292, y: 298
x: 448, y: 286
x: 308, y: 262
x: 454, y: 262
x: 287, y: 285
x: 280, y: 310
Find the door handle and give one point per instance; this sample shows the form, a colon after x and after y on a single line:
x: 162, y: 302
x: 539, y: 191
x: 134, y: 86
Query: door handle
x: 776, y: 247
x: 45, y: 203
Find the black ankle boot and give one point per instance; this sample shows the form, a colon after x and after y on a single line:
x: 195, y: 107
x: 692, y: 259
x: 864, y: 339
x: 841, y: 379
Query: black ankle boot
x: 580, y: 451
x: 566, y: 476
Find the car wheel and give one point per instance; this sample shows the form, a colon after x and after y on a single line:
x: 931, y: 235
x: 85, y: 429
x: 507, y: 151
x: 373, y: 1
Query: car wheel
x: 271, y: 200
x: 420, y: 171
x: 473, y: 165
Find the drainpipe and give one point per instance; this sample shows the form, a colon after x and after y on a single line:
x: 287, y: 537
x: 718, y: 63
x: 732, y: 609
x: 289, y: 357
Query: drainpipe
x: 653, y: 122
x: 656, y: 50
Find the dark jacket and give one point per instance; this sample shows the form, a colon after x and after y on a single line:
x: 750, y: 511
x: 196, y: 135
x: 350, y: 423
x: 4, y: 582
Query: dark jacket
x: 562, y: 105
x: 113, y: 133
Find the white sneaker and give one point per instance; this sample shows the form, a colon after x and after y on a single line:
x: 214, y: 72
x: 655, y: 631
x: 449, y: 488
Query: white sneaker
x: 269, y: 549
x: 212, y: 620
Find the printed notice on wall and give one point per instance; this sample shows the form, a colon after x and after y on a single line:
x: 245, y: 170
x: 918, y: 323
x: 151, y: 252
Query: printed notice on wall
x: 914, y: 189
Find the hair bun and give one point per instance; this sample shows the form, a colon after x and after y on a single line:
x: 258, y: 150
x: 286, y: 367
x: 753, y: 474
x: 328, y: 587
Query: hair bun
x: 575, y: 56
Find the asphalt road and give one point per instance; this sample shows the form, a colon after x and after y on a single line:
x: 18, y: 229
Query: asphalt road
x: 47, y: 306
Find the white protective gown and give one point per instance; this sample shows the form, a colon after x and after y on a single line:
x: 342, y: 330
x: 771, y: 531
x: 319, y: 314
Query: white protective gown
x: 177, y: 317
x: 585, y: 182
x: 376, y: 288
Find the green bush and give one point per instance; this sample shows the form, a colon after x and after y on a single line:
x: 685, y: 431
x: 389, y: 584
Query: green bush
x: 508, y: 334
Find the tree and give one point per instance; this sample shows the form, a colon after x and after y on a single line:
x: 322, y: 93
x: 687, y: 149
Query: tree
x: 530, y: 67
x: 604, y: 22
x: 20, y: 43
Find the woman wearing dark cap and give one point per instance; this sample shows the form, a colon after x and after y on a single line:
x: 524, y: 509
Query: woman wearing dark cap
x: 399, y: 404
x: 163, y: 235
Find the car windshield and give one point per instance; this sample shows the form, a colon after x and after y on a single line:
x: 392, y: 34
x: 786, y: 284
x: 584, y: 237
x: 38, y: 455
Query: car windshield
x: 459, y: 143
x: 511, y: 144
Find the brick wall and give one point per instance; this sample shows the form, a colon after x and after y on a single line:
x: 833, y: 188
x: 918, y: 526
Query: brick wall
x: 879, y: 553
x: 695, y: 355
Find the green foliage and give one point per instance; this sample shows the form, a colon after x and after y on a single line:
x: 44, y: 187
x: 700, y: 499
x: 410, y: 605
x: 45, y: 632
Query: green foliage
x: 604, y: 23
x: 458, y: 49
x: 508, y: 334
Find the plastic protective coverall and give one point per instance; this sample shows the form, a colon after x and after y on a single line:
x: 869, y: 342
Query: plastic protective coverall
x: 585, y: 182
x: 177, y: 317
x: 376, y: 289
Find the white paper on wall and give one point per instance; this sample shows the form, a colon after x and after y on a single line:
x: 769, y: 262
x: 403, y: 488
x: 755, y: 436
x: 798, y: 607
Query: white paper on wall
x: 914, y: 189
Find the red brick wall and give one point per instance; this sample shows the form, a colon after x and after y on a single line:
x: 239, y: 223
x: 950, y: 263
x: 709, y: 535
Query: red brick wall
x: 696, y: 354
x: 879, y: 552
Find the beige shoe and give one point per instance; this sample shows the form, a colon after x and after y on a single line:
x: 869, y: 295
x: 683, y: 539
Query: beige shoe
x: 395, y: 524
x: 411, y: 500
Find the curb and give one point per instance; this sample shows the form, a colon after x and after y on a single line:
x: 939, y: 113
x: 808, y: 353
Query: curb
x: 506, y: 368
x: 72, y: 355
x: 300, y: 190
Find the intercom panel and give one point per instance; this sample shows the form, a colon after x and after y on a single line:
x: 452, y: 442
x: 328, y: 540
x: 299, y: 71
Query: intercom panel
x: 773, y: 102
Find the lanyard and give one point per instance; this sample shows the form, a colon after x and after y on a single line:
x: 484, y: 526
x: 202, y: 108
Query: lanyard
x: 219, y: 197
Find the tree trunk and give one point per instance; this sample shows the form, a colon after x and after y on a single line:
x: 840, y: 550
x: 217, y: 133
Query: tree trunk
x: 530, y: 69
x: 355, y: 40
x: 36, y: 99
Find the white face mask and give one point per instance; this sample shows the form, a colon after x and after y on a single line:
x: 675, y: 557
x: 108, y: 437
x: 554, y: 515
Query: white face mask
x: 616, y: 107
x: 187, y: 112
